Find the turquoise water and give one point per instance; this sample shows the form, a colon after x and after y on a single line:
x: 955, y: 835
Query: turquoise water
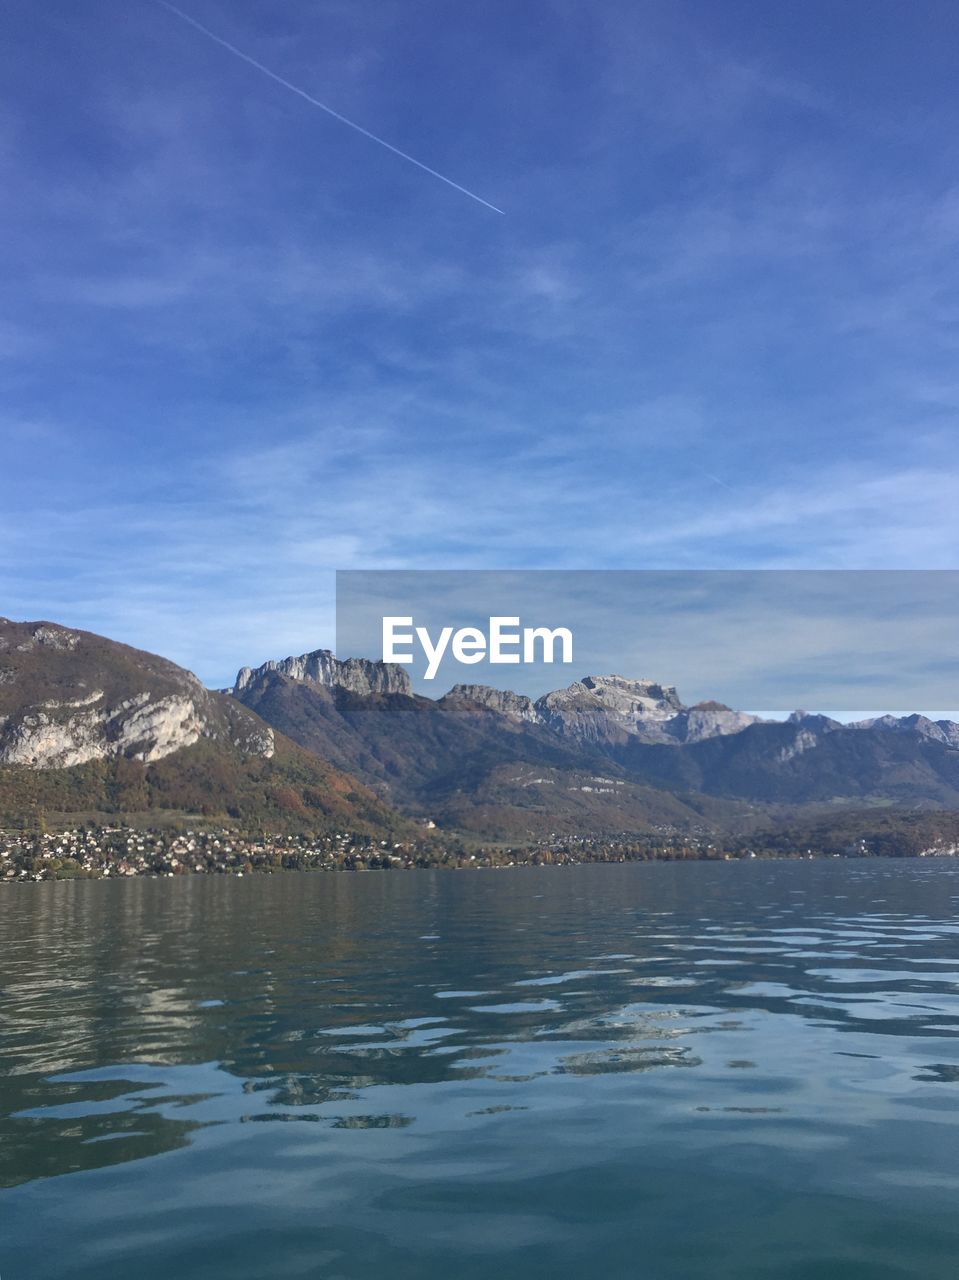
x: 657, y: 1071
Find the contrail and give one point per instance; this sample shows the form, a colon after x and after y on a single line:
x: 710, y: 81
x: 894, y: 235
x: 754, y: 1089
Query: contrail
x: 315, y: 102
x: 716, y: 480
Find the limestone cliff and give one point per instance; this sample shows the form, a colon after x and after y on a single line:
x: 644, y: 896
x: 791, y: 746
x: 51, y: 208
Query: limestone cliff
x: 68, y: 697
x: 357, y: 675
x: 609, y: 709
x: 514, y: 706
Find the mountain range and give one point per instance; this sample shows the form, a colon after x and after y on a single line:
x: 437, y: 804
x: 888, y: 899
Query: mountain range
x: 90, y: 725
x: 608, y: 751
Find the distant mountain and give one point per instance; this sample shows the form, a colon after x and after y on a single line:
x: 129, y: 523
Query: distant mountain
x: 805, y: 760
x: 605, y: 710
x: 469, y: 765
x: 596, y: 709
x: 615, y: 710
x: 607, y: 751
x: 90, y: 726
x: 413, y: 750
x: 512, y: 706
x: 935, y: 730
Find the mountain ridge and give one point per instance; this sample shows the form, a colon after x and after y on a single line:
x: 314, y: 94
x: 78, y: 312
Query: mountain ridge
x: 90, y: 723
x: 461, y: 756
x: 595, y: 708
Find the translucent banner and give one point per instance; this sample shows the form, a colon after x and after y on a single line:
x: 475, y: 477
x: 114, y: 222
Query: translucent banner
x: 769, y: 641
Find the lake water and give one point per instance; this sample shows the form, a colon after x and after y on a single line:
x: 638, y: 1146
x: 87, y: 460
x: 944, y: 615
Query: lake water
x: 656, y: 1071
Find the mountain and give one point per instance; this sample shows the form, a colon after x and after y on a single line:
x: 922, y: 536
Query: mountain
x: 606, y: 710
x: 607, y: 751
x: 90, y: 726
x: 936, y: 730
x: 805, y: 760
x: 478, y: 765
x: 610, y: 710
x: 594, y: 710
x: 709, y: 720
x: 482, y: 759
x: 413, y: 750
x: 68, y: 697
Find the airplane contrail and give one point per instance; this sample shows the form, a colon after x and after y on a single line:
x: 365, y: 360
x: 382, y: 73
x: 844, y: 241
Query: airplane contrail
x: 245, y: 57
x: 716, y: 480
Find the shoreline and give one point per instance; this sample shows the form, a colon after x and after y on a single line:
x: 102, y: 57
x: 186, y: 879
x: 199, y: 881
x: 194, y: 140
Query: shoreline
x: 451, y: 867
x: 118, y: 851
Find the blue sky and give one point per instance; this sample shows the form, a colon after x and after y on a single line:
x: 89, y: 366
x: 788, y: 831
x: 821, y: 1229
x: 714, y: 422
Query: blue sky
x: 242, y: 346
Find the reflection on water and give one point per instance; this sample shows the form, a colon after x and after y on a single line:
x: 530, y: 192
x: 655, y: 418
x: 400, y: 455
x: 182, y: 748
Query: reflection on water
x: 484, y: 1071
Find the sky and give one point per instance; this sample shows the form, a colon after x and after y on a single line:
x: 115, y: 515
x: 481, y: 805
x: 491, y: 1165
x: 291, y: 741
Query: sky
x: 243, y: 346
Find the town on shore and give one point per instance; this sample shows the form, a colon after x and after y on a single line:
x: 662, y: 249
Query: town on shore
x: 101, y: 852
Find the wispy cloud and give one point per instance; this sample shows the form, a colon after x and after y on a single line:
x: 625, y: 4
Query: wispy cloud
x: 236, y: 560
x: 718, y: 327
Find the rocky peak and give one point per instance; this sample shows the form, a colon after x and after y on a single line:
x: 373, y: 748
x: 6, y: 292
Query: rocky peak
x: 610, y: 709
x: 647, y: 698
x: 813, y: 722
x: 805, y: 732
x: 358, y: 675
x: 945, y: 731
x: 709, y: 720
x: 515, y: 706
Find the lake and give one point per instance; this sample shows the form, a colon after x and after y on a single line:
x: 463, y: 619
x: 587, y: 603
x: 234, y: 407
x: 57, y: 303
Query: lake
x: 656, y: 1071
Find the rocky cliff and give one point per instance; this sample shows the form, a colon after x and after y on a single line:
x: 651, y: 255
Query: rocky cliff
x: 68, y: 697
x: 708, y: 720
x: 357, y: 675
x: 514, y: 706
x: 604, y: 709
